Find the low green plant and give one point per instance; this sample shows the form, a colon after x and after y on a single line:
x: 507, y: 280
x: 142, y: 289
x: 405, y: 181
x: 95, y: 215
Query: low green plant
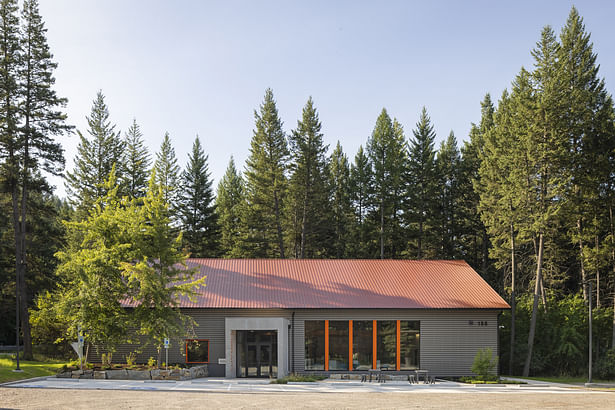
x: 106, y: 360
x: 297, y: 378
x: 151, y: 362
x: 605, y: 367
x: 131, y: 359
x: 484, y: 364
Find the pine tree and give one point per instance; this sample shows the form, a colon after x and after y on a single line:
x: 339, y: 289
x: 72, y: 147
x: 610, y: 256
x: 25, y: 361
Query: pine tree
x: 421, y: 187
x: 361, y: 189
x: 266, y: 184
x: 548, y: 154
x: 229, y: 203
x: 588, y: 115
x: 196, y: 207
x: 10, y: 142
x: 448, y: 214
x: 475, y: 240
x: 386, y: 152
x: 95, y: 159
x: 341, y: 207
x: 137, y: 162
x: 307, y: 183
x: 167, y: 171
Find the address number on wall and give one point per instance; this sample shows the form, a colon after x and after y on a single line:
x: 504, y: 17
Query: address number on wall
x: 477, y: 323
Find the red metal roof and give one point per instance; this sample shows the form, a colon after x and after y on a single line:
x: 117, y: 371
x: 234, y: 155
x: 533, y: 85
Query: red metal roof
x: 341, y: 283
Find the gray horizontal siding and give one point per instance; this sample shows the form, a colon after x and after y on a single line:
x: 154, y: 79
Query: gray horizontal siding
x: 448, y: 343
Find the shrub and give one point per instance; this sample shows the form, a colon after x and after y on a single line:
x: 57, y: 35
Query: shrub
x: 605, y: 367
x: 106, y: 359
x: 484, y: 364
x: 151, y: 362
x: 131, y: 359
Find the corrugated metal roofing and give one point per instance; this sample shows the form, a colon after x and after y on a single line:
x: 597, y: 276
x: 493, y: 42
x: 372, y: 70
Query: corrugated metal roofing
x: 341, y: 283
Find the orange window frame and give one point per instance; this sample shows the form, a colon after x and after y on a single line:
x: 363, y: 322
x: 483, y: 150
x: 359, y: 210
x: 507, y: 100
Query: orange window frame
x: 196, y: 340
x: 326, y: 345
x: 350, y: 345
x: 398, y: 361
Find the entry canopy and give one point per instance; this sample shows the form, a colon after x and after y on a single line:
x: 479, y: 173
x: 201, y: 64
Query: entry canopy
x: 341, y: 284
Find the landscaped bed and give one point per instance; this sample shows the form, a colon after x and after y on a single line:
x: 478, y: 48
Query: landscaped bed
x: 132, y: 372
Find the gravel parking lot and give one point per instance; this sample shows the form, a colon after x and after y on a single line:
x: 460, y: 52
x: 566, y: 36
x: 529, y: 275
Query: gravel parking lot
x: 26, y: 398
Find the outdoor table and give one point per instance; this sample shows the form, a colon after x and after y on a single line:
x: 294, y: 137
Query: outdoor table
x: 425, y: 374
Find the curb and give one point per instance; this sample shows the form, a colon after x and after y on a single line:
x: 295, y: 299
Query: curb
x: 32, y: 379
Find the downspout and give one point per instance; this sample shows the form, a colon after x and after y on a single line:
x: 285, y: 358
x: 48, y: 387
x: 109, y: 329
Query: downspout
x: 292, y: 342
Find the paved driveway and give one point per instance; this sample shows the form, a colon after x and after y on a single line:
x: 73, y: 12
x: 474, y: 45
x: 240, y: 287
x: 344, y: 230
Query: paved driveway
x: 218, y: 385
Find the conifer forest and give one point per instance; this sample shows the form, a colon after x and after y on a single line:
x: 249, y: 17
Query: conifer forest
x: 527, y: 198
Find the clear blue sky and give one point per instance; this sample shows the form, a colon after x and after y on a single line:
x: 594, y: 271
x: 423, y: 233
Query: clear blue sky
x: 197, y: 67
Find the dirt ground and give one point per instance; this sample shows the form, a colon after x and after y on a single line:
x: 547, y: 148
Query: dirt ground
x: 21, y: 398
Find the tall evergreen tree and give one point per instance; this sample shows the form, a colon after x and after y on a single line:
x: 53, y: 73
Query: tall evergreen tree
x: 266, y: 184
x: 137, y: 162
x: 361, y: 189
x: 421, y: 187
x: 197, y: 210
x: 587, y: 111
x: 10, y: 143
x: 448, y: 214
x: 95, y: 158
x: 386, y: 152
x: 548, y: 152
x: 475, y: 241
x: 31, y: 119
x: 307, y: 183
x: 167, y: 171
x: 229, y: 203
x: 341, y: 206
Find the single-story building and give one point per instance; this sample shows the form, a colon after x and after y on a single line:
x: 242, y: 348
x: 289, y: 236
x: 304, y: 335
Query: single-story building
x: 272, y: 317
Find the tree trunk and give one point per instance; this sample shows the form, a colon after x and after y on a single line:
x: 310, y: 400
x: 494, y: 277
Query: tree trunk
x: 530, y: 341
x: 382, y: 227
x: 512, y: 300
x: 597, y: 274
x: 613, y: 268
x: 583, y: 276
x: 276, y: 209
x: 543, y: 294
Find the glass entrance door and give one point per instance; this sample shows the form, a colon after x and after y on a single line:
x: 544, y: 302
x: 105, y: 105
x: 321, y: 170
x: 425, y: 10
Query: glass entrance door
x: 257, y: 353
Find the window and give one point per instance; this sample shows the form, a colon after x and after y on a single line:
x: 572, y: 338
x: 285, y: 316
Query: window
x: 386, y: 353
x: 338, y: 345
x: 197, y: 351
x: 314, y: 345
x: 362, y: 341
x: 409, y: 346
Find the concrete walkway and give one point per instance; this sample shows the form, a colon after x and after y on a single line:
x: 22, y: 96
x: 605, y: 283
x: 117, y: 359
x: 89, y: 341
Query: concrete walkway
x: 221, y: 385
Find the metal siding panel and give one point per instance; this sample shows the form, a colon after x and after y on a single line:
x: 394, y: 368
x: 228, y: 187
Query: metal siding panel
x: 448, y: 343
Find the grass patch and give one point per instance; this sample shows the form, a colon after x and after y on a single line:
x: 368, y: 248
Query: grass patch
x: 297, y: 378
x: 565, y: 379
x: 34, y: 368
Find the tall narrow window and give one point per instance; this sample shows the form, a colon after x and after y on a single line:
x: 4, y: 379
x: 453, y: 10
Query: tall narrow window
x: 314, y: 345
x: 362, y: 349
x: 387, y: 344
x: 338, y: 345
x: 410, y: 335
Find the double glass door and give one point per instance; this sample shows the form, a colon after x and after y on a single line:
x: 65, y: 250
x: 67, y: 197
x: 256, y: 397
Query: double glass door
x: 257, y: 353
